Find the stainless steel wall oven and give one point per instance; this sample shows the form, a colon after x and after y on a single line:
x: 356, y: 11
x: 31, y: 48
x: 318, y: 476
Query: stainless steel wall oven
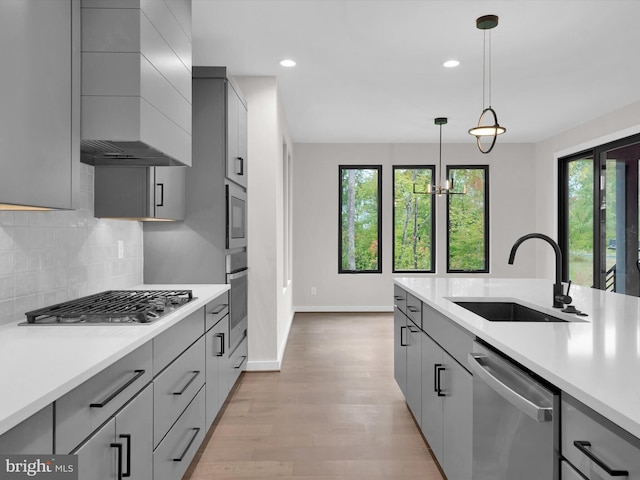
x: 237, y: 276
x: 236, y: 216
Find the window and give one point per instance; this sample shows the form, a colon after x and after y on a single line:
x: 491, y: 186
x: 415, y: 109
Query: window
x: 599, y: 216
x: 468, y: 220
x: 360, y: 234
x: 413, y: 220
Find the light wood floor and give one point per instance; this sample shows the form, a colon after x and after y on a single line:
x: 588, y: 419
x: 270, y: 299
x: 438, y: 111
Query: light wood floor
x: 334, y: 412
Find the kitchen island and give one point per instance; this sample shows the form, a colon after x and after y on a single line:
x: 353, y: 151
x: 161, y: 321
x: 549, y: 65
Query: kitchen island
x: 595, y: 359
x: 40, y: 364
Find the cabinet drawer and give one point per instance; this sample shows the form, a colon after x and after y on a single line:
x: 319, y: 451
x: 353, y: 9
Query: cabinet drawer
x: 414, y: 309
x: 400, y: 298
x: 172, y: 457
x: 608, y: 445
x: 32, y: 436
x: 86, y: 407
x: 456, y: 341
x: 237, y: 362
x: 216, y: 310
x: 175, y: 387
x: 172, y: 342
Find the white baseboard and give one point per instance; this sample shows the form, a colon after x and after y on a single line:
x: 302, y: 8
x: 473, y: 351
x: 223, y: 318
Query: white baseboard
x: 349, y: 308
x: 263, y: 366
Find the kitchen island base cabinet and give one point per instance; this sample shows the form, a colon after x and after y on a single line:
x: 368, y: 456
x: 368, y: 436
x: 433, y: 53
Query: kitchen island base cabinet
x: 123, y: 446
x: 400, y: 350
x: 594, y: 446
x: 32, y: 436
x: 215, y: 352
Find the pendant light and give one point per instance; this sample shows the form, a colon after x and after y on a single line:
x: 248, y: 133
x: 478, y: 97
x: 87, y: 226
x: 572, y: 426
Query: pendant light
x: 486, y: 23
x: 439, y: 189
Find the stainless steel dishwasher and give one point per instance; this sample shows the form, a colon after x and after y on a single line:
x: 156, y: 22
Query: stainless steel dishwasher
x: 515, y: 421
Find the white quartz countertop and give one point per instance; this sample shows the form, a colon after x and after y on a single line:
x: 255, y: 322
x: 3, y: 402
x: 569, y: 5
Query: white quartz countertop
x: 595, y: 359
x: 39, y: 364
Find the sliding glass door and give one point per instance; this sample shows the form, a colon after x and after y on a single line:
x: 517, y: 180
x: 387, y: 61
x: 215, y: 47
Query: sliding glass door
x: 599, y: 216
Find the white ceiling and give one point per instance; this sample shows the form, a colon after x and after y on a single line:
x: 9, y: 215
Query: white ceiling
x: 371, y: 70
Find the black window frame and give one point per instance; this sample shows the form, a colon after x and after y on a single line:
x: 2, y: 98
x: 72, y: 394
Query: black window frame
x: 433, y: 218
x: 341, y: 168
x: 486, y: 268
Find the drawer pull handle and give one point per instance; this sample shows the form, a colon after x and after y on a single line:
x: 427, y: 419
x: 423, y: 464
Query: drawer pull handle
x: 136, y: 376
x: 196, y: 431
x: 127, y: 437
x: 582, y: 446
x: 194, y: 375
x: 413, y: 309
x: 398, y: 298
x: 243, y: 358
x: 220, y: 351
x: 118, y: 446
x: 218, y: 309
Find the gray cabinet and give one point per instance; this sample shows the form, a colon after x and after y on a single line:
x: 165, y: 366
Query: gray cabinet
x: 85, y: 408
x: 437, y: 388
x: 122, y: 447
x: 175, y: 388
x: 236, y: 135
x: 595, y: 446
x: 447, y: 395
x: 400, y: 350
x: 172, y: 457
x: 215, y: 340
x: 41, y: 103
x: 140, y: 193
x: 414, y: 370
x: 33, y: 436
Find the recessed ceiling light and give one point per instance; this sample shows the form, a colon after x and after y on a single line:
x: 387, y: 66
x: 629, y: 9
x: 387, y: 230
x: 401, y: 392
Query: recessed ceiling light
x: 451, y: 63
x: 287, y: 62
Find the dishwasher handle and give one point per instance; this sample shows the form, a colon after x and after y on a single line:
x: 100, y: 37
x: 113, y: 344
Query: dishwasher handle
x: 538, y: 412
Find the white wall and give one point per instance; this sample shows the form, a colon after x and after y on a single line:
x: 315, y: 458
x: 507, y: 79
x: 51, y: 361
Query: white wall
x: 51, y: 257
x: 270, y: 303
x: 513, y: 197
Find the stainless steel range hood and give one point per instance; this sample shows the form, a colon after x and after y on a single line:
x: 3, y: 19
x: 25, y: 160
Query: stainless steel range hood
x: 136, y: 83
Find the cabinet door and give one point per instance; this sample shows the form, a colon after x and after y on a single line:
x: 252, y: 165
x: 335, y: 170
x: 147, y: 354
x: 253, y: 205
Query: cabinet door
x: 215, y: 352
x: 432, y: 402
x: 414, y: 370
x: 169, y: 195
x: 134, y: 426
x: 39, y: 166
x: 236, y: 119
x: 97, y: 459
x: 458, y: 421
x: 400, y: 350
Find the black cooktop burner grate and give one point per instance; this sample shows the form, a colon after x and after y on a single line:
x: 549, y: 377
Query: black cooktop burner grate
x: 112, y: 304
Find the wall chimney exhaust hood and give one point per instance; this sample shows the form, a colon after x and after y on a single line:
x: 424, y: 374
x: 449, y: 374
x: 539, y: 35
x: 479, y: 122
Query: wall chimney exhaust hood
x: 136, y: 82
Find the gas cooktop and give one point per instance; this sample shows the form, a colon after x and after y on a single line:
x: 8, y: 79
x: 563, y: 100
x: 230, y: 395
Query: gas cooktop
x: 118, y: 307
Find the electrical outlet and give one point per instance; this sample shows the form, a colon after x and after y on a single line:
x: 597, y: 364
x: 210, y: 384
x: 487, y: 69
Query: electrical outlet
x: 120, y: 249
x: 314, y: 290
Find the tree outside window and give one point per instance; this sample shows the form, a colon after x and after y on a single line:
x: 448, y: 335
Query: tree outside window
x: 413, y: 220
x: 360, y: 235
x: 468, y: 220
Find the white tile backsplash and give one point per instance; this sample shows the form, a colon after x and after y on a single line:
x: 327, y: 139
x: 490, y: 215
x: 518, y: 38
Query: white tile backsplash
x: 51, y: 257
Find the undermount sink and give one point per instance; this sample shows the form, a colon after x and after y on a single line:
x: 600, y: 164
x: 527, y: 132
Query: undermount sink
x: 504, y: 311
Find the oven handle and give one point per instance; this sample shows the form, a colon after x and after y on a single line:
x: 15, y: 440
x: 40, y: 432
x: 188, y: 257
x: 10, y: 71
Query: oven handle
x: 238, y: 274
